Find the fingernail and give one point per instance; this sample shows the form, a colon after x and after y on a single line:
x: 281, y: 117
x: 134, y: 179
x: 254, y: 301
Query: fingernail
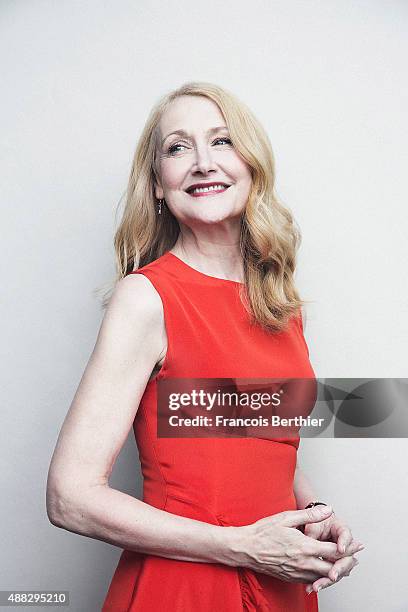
x: 361, y: 547
x: 335, y: 576
x: 319, y: 588
x: 324, y: 509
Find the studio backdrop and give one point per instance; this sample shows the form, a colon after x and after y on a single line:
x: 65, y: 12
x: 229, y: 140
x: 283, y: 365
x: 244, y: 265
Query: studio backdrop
x: 328, y: 81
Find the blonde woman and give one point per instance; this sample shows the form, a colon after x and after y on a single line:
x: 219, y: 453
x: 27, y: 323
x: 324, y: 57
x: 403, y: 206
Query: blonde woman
x: 205, y: 288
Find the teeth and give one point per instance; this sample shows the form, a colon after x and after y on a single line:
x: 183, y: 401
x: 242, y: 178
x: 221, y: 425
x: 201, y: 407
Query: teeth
x: 211, y: 188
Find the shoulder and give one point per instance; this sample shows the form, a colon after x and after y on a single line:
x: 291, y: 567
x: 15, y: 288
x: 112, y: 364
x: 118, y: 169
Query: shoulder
x: 135, y: 301
x: 136, y: 289
x: 132, y: 324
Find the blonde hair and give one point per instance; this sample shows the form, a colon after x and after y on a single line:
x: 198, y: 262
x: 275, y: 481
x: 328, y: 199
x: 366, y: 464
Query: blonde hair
x: 269, y: 236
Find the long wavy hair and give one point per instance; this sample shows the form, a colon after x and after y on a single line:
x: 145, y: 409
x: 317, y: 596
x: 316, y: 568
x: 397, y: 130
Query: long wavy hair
x: 269, y: 236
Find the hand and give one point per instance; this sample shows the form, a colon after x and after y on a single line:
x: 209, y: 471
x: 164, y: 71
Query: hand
x: 273, y: 545
x: 334, y: 530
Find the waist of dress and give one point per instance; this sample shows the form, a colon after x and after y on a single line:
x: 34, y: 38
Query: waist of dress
x: 235, y: 515
x: 234, y: 483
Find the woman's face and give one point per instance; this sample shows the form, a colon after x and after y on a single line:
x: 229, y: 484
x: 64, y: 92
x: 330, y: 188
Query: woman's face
x: 200, y: 153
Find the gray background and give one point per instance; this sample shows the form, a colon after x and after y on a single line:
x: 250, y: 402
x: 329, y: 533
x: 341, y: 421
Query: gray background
x: 327, y: 80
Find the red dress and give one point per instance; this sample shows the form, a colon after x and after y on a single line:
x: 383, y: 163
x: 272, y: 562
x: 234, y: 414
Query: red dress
x: 223, y: 481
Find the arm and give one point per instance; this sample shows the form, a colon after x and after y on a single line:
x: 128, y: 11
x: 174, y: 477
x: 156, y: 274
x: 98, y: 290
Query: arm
x: 302, y: 486
x: 79, y: 498
x: 303, y: 489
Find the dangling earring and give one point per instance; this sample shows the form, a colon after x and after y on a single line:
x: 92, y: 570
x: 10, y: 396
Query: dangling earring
x: 160, y: 206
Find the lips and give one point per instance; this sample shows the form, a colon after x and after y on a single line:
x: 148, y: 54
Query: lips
x: 207, y: 187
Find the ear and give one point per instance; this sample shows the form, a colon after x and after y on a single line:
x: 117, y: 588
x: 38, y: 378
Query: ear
x: 158, y: 191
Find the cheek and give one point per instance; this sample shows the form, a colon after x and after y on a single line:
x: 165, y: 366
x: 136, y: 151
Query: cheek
x: 172, y: 174
x: 245, y: 177
x: 238, y: 167
x: 246, y: 183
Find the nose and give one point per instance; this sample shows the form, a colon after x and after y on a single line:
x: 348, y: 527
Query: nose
x: 203, y: 159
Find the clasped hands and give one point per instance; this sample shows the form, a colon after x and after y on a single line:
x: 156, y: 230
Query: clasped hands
x: 312, y: 546
x: 333, y: 529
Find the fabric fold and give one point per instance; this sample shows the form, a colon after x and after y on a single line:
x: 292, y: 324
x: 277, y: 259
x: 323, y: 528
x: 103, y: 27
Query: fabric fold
x: 253, y: 598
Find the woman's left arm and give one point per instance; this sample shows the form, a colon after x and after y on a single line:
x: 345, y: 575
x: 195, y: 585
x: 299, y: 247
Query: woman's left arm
x: 302, y: 489
x: 331, y: 529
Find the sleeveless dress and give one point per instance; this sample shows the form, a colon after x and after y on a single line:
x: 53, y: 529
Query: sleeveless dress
x: 222, y: 481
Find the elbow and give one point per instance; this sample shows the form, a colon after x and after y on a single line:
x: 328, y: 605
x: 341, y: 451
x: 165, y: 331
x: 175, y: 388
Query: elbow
x: 70, y: 501
x: 59, y: 497
x: 55, y: 507
x: 69, y: 507
x: 59, y: 502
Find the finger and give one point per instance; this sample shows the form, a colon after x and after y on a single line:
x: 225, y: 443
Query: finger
x: 351, y: 549
x: 323, y: 582
x: 326, y: 550
x: 319, y: 584
x: 344, y: 537
x: 329, y: 550
x: 330, y: 583
x: 342, y: 567
x: 319, y: 567
x: 313, y: 530
x: 354, y: 547
x: 296, y: 518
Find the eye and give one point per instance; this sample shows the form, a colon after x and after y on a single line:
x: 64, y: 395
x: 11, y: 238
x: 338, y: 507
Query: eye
x: 173, y: 148
x: 227, y: 140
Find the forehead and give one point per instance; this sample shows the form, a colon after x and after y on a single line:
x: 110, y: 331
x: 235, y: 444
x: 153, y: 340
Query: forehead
x: 190, y: 112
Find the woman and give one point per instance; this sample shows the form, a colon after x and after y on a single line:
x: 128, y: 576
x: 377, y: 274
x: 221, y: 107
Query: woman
x: 206, y: 257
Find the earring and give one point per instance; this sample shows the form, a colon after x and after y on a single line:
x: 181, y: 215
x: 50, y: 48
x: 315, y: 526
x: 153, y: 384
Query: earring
x: 160, y: 206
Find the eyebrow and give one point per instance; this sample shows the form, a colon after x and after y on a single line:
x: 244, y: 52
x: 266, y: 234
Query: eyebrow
x: 184, y: 133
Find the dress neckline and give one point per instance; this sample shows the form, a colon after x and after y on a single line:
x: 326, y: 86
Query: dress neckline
x: 195, y: 272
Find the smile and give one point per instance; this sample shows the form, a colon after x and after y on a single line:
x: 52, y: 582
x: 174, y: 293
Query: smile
x: 199, y: 192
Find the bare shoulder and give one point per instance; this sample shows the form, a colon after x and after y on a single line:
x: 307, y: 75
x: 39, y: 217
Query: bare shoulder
x: 133, y: 323
x: 135, y: 297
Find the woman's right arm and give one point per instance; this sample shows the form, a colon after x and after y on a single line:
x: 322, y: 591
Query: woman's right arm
x: 130, y: 342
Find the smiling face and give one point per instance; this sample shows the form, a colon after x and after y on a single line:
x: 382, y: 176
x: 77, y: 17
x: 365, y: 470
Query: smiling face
x: 203, y: 178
